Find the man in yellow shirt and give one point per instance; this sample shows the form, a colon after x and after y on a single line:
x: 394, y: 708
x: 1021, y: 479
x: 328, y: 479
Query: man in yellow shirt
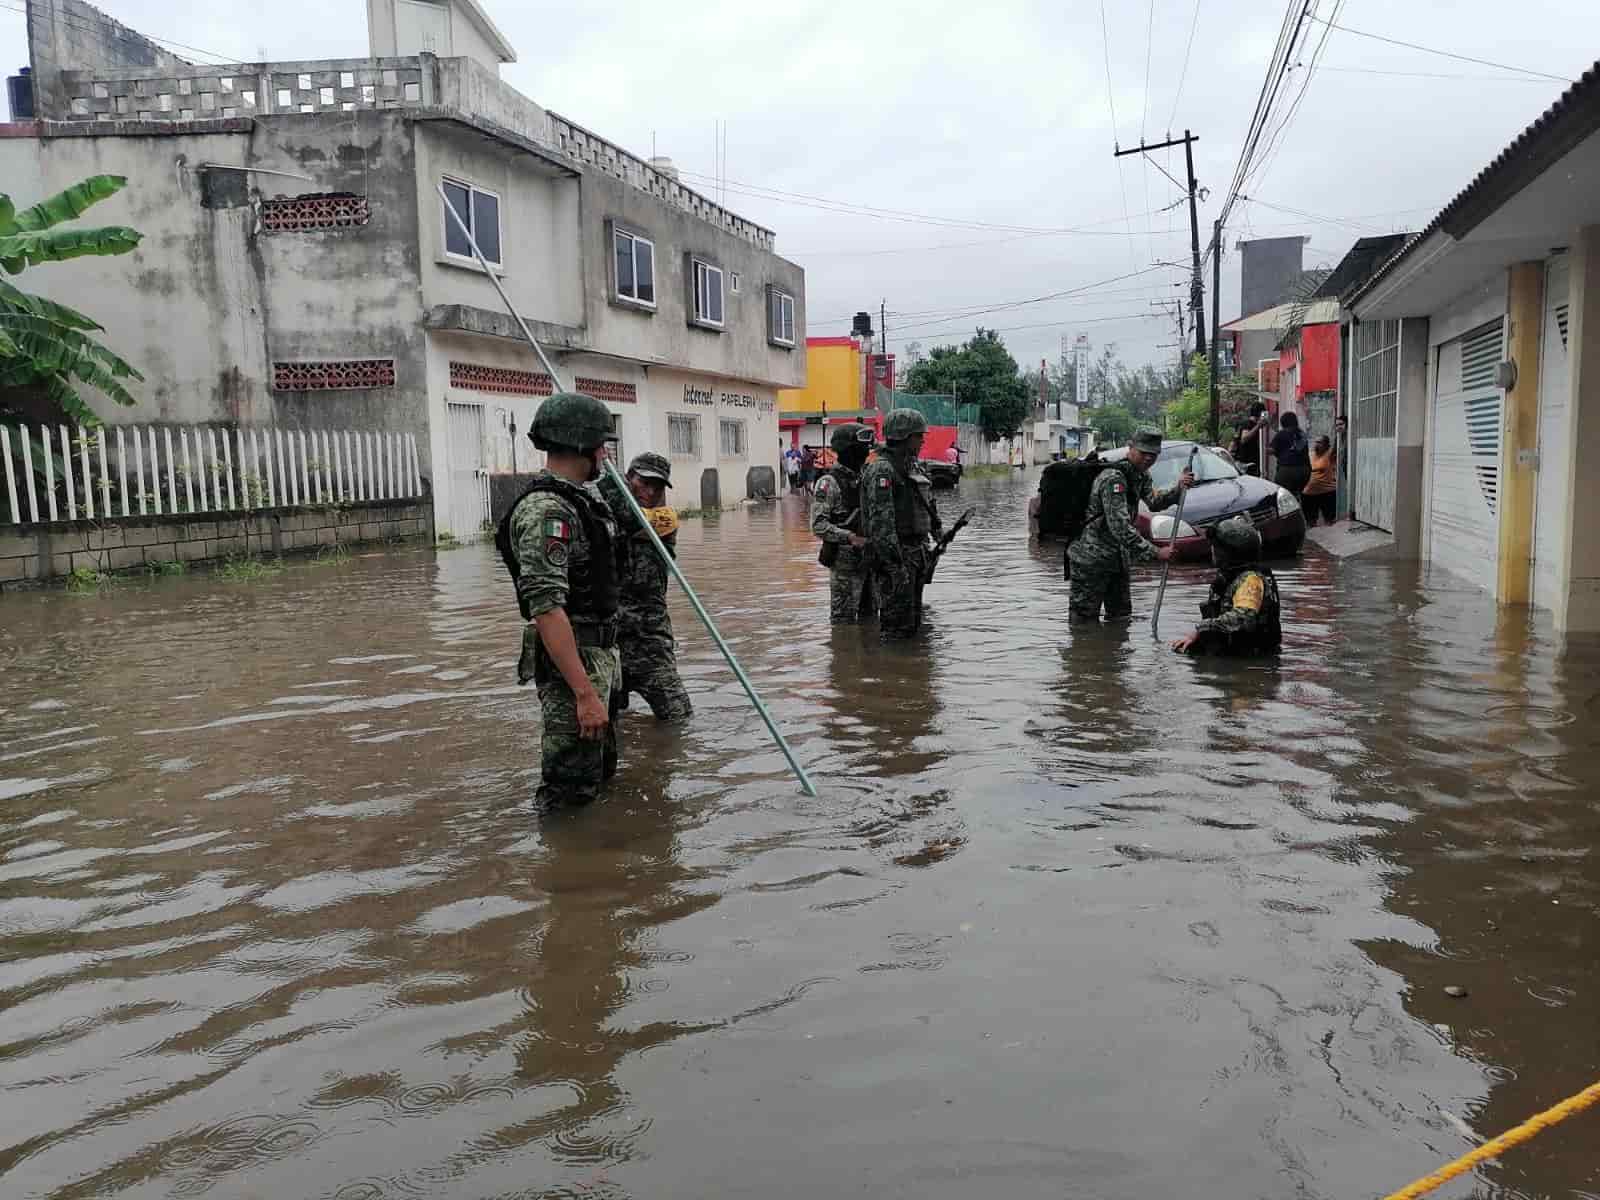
x: 1241, y: 615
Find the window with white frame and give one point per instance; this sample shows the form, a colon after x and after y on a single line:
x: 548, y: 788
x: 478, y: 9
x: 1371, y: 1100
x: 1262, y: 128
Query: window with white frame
x: 618, y: 454
x: 780, y: 317
x: 733, y: 439
x: 683, y: 435
x: 733, y: 282
x: 480, y: 210
x: 707, y: 294
x: 635, y: 259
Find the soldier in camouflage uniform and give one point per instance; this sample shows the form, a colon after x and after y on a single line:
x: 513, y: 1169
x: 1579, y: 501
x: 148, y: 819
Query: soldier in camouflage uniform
x: 901, y: 522
x: 1241, y: 614
x: 1103, y: 554
x: 564, y: 551
x: 836, y: 518
x: 644, y: 632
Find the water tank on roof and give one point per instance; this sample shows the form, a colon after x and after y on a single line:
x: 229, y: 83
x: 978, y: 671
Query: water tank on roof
x: 19, y: 93
x: 664, y: 166
x: 862, y: 325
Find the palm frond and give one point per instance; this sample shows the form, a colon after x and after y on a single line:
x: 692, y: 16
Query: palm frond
x: 14, y: 298
x: 67, y: 205
x: 57, y: 245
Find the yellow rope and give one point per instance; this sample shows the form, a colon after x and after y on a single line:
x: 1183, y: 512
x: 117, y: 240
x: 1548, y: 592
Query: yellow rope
x: 1512, y: 1137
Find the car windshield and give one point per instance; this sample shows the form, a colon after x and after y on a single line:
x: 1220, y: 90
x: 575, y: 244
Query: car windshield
x: 1208, y: 466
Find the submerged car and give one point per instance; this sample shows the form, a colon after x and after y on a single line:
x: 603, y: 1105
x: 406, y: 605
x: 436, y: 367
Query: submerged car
x: 1220, y: 491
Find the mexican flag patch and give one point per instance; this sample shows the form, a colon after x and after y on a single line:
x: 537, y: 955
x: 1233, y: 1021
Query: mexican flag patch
x: 883, y: 481
x: 555, y: 527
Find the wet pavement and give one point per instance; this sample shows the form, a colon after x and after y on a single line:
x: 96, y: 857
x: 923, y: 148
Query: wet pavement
x: 1071, y: 915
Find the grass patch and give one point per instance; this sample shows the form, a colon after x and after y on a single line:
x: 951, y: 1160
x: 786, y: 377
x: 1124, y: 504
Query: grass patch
x: 330, y: 556
x: 242, y: 568
x: 87, y: 579
x: 170, y: 567
x: 985, y: 470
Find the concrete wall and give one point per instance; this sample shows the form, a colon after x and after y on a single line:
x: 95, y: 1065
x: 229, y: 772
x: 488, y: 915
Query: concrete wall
x: 1578, y: 599
x: 741, y: 350
x: 1411, y: 420
x: 129, y: 543
x: 1269, y: 269
x: 470, y: 87
x: 71, y: 35
x: 539, y: 215
x: 209, y: 300
x: 712, y: 400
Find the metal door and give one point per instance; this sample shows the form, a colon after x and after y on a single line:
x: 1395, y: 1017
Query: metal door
x: 1374, y: 423
x: 469, y: 481
x: 1555, y: 394
x: 1463, y: 495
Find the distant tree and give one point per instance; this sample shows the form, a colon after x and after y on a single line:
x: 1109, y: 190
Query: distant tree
x: 1189, y: 416
x: 980, y: 371
x: 1113, y: 424
x: 910, y: 355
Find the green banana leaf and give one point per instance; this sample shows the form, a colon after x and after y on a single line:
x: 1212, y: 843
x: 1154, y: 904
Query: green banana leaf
x: 14, y: 299
x: 32, y: 248
x: 64, y: 206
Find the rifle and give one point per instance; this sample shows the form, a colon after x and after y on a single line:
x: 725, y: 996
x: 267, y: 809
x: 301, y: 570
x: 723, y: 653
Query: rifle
x: 943, y: 543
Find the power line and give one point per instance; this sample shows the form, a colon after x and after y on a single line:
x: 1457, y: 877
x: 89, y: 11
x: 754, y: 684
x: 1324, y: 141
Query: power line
x: 1072, y: 322
x: 1183, y: 75
x: 1298, y: 212
x: 1432, y: 75
x: 1085, y: 230
x: 1111, y: 103
x: 1276, y: 143
x: 1007, y: 305
x: 1482, y: 62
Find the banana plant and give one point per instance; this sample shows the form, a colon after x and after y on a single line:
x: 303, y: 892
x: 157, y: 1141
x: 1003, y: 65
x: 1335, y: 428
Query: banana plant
x: 47, y: 349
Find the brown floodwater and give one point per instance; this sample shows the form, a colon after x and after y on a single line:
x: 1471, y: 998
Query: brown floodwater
x: 1071, y: 916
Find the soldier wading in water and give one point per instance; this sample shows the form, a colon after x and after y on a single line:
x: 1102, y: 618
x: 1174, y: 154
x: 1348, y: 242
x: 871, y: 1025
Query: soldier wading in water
x: 836, y: 518
x: 563, y: 549
x: 901, y: 523
x: 644, y: 631
x: 1241, y: 614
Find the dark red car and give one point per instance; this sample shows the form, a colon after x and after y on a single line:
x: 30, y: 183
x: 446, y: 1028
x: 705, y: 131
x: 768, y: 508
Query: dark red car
x: 1220, y: 492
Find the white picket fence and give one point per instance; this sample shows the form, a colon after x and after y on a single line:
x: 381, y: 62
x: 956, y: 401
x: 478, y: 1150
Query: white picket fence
x: 143, y: 471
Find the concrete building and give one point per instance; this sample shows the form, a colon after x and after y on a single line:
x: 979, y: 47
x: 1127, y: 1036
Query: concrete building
x: 1475, y: 374
x: 1270, y: 271
x: 298, y: 269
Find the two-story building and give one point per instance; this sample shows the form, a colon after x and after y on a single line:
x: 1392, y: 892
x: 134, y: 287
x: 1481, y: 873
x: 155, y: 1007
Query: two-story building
x: 299, y: 270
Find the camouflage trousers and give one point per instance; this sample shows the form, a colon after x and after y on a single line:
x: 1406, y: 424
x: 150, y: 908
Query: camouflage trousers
x: 650, y: 668
x: 851, y: 599
x: 1097, y: 585
x: 899, y: 589
x: 572, y: 769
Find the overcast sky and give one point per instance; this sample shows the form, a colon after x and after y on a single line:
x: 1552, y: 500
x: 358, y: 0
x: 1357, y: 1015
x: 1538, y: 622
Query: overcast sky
x: 982, y: 125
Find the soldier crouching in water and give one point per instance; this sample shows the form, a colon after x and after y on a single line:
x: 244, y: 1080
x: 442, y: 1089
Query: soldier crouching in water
x: 901, y: 522
x: 1241, y: 615
x: 836, y: 519
x: 644, y: 629
x: 564, y: 551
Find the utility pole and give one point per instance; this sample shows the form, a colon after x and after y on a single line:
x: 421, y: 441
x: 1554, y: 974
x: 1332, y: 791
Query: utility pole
x: 1176, y: 310
x: 883, y: 328
x: 1216, y: 330
x: 1197, y: 287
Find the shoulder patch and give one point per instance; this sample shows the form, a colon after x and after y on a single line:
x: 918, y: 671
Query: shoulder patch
x: 825, y: 485
x: 883, y: 481
x: 1250, y: 593
x: 555, y: 552
x: 556, y: 528
x: 1119, y: 487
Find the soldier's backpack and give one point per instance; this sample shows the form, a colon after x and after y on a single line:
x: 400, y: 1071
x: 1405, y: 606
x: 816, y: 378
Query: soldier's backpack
x: 1064, y: 489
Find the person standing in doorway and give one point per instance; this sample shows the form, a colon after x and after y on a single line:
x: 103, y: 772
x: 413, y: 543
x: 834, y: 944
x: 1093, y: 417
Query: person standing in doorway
x: 1321, y: 491
x: 1341, y: 451
x: 1292, y: 454
x: 1248, y: 454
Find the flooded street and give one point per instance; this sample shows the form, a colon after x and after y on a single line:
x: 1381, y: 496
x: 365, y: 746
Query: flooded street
x: 1071, y: 916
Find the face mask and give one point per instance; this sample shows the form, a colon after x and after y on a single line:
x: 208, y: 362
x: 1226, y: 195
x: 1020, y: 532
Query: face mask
x: 595, y: 459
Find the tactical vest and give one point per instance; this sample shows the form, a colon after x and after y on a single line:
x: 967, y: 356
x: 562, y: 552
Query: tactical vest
x: 1268, y: 635
x: 911, y: 517
x: 849, y: 493
x: 593, y: 588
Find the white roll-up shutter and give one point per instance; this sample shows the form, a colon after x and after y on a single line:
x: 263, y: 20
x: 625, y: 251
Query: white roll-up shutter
x: 1463, y: 499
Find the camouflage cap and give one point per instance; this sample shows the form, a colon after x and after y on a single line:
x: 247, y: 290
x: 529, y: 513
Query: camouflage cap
x: 571, y: 421
x: 1238, y: 536
x: 1147, y: 441
x: 651, y: 465
x: 902, y: 423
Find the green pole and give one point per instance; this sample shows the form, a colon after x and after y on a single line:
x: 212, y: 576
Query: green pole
x: 627, y: 494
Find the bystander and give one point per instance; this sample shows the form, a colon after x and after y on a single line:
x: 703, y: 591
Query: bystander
x: 1292, y: 454
x: 1321, y: 491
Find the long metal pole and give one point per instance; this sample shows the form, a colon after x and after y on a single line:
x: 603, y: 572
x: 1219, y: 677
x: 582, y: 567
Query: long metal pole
x: 616, y: 476
x: 1215, y: 356
x: 1198, y: 288
x: 1166, y: 567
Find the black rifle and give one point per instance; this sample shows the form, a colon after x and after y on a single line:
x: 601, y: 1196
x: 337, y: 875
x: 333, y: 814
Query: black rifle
x: 943, y: 543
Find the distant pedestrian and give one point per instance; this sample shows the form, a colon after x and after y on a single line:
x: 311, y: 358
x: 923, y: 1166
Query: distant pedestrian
x: 1322, y: 491
x: 808, y: 469
x: 791, y: 468
x: 1293, y: 455
x: 1341, y: 452
x: 1248, y: 442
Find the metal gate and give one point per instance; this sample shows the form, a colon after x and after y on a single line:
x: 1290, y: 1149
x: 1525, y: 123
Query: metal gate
x: 1373, y: 429
x: 1464, y: 488
x: 469, y: 481
x: 1555, y: 394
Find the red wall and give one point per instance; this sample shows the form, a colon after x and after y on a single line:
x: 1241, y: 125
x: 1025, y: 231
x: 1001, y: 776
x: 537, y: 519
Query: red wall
x: 939, y: 439
x: 1319, y: 358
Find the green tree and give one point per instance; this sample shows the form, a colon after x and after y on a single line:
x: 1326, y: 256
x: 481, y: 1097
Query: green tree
x: 47, y: 349
x: 1189, y: 416
x: 980, y: 371
x: 1113, y: 424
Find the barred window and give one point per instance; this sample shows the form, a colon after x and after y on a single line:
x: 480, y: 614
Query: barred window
x: 683, y: 435
x: 734, y: 442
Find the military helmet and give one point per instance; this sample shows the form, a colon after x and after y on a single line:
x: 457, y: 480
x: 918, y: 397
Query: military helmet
x: 1238, y: 537
x: 852, y: 434
x: 1147, y: 441
x: 569, y: 421
x: 651, y: 465
x: 903, y: 423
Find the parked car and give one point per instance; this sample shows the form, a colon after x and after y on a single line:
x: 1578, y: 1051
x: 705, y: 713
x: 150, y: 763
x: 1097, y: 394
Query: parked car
x: 940, y: 473
x: 1221, y: 491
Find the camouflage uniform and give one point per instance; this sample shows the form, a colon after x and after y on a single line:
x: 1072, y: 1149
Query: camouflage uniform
x: 1241, y: 614
x: 835, y: 515
x: 900, y: 516
x: 644, y: 626
x: 1110, y: 542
